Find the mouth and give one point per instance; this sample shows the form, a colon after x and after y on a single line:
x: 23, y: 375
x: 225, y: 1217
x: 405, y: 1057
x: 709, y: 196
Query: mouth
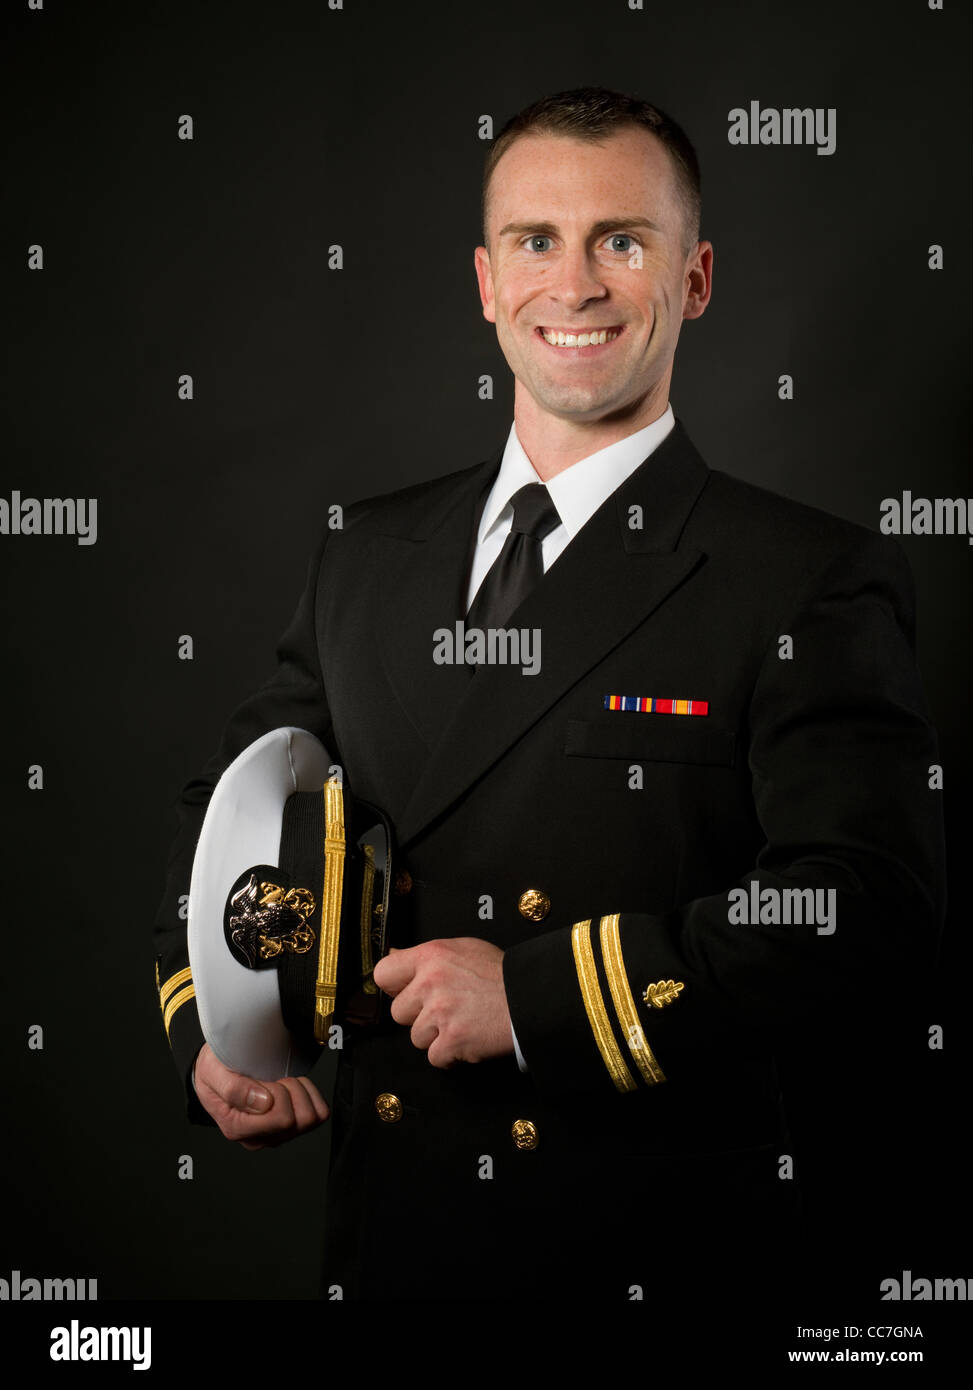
x: 585, y: 341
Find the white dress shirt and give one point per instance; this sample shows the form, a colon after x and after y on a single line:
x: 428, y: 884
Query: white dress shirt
x: 577, y: 493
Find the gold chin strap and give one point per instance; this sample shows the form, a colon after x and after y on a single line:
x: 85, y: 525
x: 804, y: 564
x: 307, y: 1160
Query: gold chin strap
x: 326, y: 987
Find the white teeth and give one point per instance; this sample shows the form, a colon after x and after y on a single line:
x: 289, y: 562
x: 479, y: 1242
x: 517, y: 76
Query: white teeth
x: 558, y: 339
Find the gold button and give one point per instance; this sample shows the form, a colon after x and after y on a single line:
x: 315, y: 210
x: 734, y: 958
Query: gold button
x: 403, y: 882
x: 534, y: 905
x: 389, y: 1107
x: 524, y: 1134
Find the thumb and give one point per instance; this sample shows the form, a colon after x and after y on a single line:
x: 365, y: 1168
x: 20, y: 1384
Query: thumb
x: 233, y: 1088
x: 258, y: 1100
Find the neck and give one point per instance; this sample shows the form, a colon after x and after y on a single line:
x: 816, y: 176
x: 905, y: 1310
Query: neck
x: 553, y: 443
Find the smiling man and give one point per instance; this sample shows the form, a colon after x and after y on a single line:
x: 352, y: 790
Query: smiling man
x: 588, y: 307
x: 576, y: 1092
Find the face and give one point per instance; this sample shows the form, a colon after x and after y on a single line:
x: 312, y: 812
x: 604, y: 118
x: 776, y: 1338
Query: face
x: 586, y: 238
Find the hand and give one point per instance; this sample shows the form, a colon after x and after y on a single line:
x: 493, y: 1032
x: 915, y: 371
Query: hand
x: 451, y: 991
x: 257, y: 1114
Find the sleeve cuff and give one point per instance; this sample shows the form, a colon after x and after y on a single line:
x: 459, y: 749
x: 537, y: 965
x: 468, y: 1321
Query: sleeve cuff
x: 185, y: 1036
x: 571, y: 1005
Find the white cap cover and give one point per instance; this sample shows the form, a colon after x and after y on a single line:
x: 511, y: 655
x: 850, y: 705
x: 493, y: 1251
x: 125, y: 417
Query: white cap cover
x: 239, y: 1009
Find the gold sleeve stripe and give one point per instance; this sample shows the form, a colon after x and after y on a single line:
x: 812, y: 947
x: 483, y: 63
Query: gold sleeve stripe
x: 173, y: 983
x: 611, y: 954
x: 177, y: 1002
x: 326, y: 987
x: 584, y: 962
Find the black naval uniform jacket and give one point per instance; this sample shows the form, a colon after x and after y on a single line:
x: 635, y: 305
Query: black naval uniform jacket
x: 641, y: 1130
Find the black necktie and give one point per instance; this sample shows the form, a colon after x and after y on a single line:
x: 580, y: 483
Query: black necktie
x: 519, y: 565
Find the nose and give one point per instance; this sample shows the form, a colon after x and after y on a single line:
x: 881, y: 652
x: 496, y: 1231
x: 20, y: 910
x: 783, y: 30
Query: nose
x: 577, y: 281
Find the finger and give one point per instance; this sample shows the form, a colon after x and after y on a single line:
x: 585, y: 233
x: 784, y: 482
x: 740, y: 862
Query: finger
x: 441, y: 1054
x: 407, y: 1006
x: 394, y: 971
x: 304, y: 1116
x: 317, y: 1100
x: 424, y: 1033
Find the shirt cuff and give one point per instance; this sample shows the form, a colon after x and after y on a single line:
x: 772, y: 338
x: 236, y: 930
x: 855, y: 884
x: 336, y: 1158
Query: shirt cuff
x: 520, y: 1056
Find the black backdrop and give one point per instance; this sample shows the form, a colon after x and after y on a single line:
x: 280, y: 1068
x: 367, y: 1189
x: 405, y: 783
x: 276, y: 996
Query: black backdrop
x: 165, y: 256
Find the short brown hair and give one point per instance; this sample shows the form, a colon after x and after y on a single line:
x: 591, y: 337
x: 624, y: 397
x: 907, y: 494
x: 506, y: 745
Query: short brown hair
x: 594, y: 113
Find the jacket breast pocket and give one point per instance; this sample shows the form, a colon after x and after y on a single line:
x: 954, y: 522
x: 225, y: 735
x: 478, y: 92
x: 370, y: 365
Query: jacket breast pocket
x: 656, y: 738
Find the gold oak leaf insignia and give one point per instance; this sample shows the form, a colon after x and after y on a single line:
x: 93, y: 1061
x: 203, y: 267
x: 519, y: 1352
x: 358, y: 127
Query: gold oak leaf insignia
x: 663, y: 992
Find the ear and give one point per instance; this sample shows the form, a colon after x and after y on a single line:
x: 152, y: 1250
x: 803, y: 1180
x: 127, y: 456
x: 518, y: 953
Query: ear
x: 484, y: 279
x: 698, y: 281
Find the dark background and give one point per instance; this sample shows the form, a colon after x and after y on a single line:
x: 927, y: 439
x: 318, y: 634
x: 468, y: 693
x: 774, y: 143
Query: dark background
x: 313, y: 386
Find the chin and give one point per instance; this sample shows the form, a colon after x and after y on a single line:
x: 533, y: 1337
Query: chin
x: 576, y: 405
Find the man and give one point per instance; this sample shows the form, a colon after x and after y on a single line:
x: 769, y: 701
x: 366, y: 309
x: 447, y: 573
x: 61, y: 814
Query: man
x: 696, y: 825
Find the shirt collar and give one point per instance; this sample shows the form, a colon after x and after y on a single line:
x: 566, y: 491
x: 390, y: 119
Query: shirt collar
x: 577, y: 492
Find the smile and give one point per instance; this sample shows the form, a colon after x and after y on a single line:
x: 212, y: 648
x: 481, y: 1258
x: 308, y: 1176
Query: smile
x: 596, y: 337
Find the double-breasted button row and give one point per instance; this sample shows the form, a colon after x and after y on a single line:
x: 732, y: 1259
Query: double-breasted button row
x: 389, y: 1108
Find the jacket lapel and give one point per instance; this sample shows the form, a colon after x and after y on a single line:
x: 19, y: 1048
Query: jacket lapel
x: 607, y: 582
x: 425, y: 572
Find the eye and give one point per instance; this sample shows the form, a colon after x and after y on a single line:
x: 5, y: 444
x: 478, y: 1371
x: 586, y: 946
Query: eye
x: 620, y: 242
x: 532, y: 243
